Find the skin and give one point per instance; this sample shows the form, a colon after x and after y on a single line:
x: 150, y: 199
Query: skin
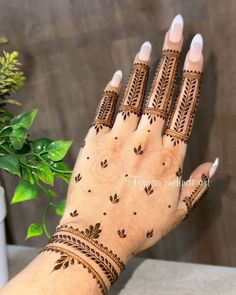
x: 158, y: 212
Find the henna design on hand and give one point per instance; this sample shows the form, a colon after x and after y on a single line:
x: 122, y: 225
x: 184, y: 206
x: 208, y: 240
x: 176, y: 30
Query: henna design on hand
x: 149, y: 190
x: 114, y: 199
x: 158, y: 101
x: 135, y: 89
x: 105, y: 111
x: 104, y: 163
x: 93, y: 231
x: 78, y: 178
x: 68, y: 257
x: 179, y: 172
x: 138, y: 151
x: 121, y: 233
x: 149, y: 234
x: 198, y: 194
x: 74, y: 213
x: 179, y: 128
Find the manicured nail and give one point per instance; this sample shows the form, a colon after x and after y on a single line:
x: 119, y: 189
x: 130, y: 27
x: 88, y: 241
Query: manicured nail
x: 145, y: 51
x: 195, y: 52
x: 176, y: 29
x: 116, y: 79
x: 214, y: 167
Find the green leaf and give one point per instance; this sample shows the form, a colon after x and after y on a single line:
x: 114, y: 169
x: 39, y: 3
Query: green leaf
x: 44, y: 173
x: 58, y: 149
x: 10, y: 163
x: 28, y: 175
x: 41, y: 144
x: 24, y: 120
x: 25, y: 191
x: 51, y: 193
x: 65, y: 177
x: 34, y: 230
x: 60, y: 208
x: 18, y: 137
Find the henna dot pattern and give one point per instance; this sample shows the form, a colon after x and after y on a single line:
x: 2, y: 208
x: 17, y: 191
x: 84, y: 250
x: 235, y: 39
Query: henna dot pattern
x: 169, y: 206
x: 148, y: 190
x: 78, y: 177
x: 126, y: 175
x: 163, y: 164
x: 114, y: 199
x: 104, y: 163
x: 148, y: 130
x: 138, y: 150
x: 74, y: 213
x: 87, y: 158
x: 116, y: 138
x: 89, y: 191
x: 104, y: 213
x: 149, y: 233
x: 179, y: 172
x: 121, y: 233
x: 134, y: 213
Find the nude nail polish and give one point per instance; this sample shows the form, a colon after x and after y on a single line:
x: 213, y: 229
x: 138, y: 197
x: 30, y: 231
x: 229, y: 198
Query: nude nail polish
x: 176, y: 29
x: 195, y: 52
x: 145, y: 51
x: 214, y: 167
x: 116, y: 79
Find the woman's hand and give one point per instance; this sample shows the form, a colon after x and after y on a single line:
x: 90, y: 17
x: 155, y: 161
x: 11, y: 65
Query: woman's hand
x: 125, y: 193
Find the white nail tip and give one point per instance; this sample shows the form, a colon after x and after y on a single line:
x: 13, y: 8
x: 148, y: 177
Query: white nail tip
x: 116, y: 79
x: 145, y: 51
x: 178, y: 19
x: 197, y: 39
x: 196, y: 46
x: 214, y: 167
x: 176, y: 29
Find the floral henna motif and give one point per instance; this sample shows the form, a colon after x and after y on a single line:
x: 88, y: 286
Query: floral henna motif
x: 114, y: 199
x: 104, y: 163
x: 179, y: 127
x: 135, y: 90
x: 149, y: 233
x: 93, y: 232
x: 197, y: 195
x: 138, y: 150
x: 89, y: 252
x: 158, y: 102
x: 78, y: 178
x: 121, y: 233
x: 74, y: 213
x: 101, y: 247
x: 105, y: 111
x: 68, y: 258
x: 149, y: 190
x: 179, y: 172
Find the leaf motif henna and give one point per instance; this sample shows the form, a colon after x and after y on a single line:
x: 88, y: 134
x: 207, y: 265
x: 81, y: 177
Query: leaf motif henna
x: 78, y: 178
x: 64, y: 262
x: 138, y: 151
x: 148, y: 189
x: 104, y: 163
x: 121, y: 233
x: 74, y: 213
x: 114, y: 199
x: 105, y: 111
x: 149, y: 233
x: 179, y: 172
x: 93, y: 231
x: 135, y: 89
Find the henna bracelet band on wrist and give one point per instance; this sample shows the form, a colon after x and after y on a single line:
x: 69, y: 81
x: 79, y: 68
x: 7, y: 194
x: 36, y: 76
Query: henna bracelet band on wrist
x: 76, y: 247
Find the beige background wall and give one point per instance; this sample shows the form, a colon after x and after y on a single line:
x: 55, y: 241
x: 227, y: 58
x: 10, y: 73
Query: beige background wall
x: 70, y: 50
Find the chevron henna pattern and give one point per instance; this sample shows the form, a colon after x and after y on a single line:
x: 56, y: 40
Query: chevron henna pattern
x: 180, y: 121
x: 105, y: 111
x: 158, y: 101
x: 135, y: 90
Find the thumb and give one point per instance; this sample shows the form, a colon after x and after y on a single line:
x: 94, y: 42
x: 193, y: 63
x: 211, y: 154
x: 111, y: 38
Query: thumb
x: 195, y: 189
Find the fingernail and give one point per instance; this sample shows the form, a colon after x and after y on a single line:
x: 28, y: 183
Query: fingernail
x: 195, y: 52
x: 145, y: 51
x: 214, y: 167
x: 176, y: 29
x: 116, y: 79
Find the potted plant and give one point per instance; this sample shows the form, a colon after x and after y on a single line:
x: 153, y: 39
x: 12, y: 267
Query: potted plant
x: 36, y: 162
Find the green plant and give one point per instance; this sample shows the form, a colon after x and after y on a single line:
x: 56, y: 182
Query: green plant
x: 36, y: 162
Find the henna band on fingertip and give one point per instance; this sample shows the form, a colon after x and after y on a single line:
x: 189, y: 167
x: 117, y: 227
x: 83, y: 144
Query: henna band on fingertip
x: 105, y: 111
x: 132, y: 101
x: 158, y: 101
x: 180, y: 121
